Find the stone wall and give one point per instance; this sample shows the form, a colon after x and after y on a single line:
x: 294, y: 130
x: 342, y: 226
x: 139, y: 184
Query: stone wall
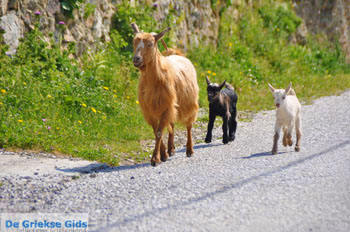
x: 199, y: 24
x: 331, y: 17
x: 18, y: 16
x: 197, y: 20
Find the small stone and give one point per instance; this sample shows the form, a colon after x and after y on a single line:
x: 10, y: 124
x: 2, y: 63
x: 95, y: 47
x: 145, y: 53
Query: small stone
x: 132, y: 177
x: 93, y: 175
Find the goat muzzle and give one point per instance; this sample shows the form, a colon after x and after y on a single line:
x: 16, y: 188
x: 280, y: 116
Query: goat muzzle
x: 137, y: 60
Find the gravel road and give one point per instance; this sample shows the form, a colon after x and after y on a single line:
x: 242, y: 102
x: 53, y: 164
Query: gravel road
x: 234, y: 187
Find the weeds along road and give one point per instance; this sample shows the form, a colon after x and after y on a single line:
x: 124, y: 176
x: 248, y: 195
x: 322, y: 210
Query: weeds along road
x: 235, y: 187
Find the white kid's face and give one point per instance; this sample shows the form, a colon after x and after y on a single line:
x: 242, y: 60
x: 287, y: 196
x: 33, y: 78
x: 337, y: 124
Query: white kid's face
x: 280, y: 96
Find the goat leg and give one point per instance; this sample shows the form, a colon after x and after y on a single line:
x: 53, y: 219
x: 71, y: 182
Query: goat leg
x: 285, y: 140
x: 210, y: 127
x: 232, y: 126
x: 189, y: 145
x: 275, y: 140
x: 159, y: 149
x: 171, y: 146
x: 224, y: 130
x: 298, y: 132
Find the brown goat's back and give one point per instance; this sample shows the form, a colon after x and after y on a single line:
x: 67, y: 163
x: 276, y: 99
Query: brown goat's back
x: 186, y: 86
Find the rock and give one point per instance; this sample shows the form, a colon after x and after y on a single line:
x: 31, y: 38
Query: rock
x: 13, y: 4
x: 3, y: 7
x: 14, y: 30
x: 328, y: 17
x: 53, y: 6
x: 301, y: 34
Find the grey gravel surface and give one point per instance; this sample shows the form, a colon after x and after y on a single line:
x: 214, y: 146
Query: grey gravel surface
x: 234, y: 187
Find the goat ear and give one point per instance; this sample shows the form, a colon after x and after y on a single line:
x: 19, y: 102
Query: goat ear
x: 271, y: 88
x: 135, y: 28
x: 208, y: 81
x: 161, y: 34
x: 289, y: 88
x: 222, y: 84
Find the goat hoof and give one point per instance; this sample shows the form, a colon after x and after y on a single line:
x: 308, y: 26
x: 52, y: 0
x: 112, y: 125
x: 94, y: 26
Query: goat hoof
x: 274, y: 152
x: 231, y: 138
x: 155, y: 162
x: 208, y: 140
x: 171, y: 153
x: 290, y: 143
x: 285, y: 143
x: 189, y: 153
x: 297, y: 149
x: 225, y: 141
x: 164, y: 158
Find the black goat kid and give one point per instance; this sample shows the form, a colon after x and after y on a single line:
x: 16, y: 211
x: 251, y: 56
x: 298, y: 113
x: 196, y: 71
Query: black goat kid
x: 222, y: 102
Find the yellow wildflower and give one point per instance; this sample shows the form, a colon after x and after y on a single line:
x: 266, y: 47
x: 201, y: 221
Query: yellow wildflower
x: 1, y: 103
x: 24, y: 83
x: 49, y: 96
x: 114, y: 91
x: 137, y: 102
x: 277, y: 29
x: 104, y: 117
x: 105, y: 87
x: 114, y: 95
x: 57, y: 128
x: 20, y: 120
x: 80, y: 122
x: 93, y: 110
x: 209, y: 72
x: 127, y: 97
x: 84, y: 105
x: 99, y: 112
x: 3, y: 91
x: 230, y: 44
x: 214, y: 74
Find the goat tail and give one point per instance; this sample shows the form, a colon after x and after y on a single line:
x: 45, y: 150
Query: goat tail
x: 228, y: 86
x: 292, y: 92
x: 172, y: 51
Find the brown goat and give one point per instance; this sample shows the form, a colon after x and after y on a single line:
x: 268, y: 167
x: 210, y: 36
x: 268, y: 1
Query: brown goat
x: 167, y: 91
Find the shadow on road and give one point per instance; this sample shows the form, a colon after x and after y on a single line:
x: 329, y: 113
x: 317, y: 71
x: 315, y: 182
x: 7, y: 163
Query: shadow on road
x: 105, y: 168
x: 261, y: 154
x: 222, y: 190
x: 201, y: 146
x: 101, y: 168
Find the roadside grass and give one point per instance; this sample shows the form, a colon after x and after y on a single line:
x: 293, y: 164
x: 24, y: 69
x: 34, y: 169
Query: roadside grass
x: 88, y: 108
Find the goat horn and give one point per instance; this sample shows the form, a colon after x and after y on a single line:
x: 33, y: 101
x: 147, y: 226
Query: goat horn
x: 223, y: 84
x: 135, y: 28
x: 208, y: 81
x: 164, y: 44
x: 161, y: 34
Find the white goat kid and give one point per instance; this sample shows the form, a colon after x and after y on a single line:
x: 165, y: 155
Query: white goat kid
x: 287, y: 116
